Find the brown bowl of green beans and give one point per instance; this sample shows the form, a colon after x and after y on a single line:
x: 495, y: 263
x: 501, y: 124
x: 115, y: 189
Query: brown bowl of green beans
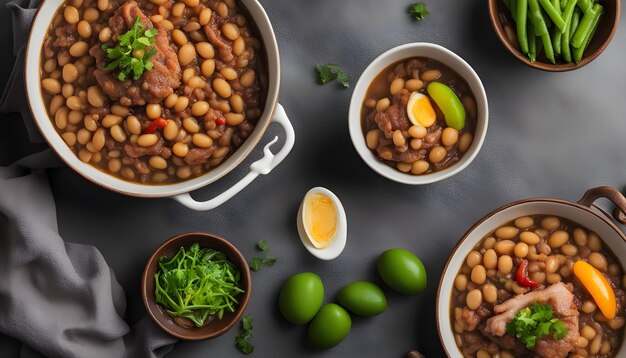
x: 555, y: 35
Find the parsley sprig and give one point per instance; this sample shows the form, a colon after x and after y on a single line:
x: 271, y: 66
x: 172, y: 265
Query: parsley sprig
x: 267, y: 259
x: 130, y: 55
x: 418, y: 11
x: 329, y: 72
x: 245, y: 334
x: 534, y: 322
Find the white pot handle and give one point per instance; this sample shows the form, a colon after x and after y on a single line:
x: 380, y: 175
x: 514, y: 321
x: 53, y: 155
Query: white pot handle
x: 262, y: 166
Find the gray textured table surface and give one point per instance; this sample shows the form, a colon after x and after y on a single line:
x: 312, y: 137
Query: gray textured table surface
x: 549, y: 135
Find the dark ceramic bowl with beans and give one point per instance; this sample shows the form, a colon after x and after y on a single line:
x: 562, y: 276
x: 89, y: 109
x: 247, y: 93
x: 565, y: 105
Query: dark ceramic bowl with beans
x: 160, y: 117
x: 505, y: 28
x: 537, y: 251
x: 215, y: 327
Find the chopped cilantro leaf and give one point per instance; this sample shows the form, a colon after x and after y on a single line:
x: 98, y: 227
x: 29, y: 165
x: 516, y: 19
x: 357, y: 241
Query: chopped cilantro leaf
x: 330, y: 72
x: 418, y: 11
x: 534, y: 322
x: 130, y: 56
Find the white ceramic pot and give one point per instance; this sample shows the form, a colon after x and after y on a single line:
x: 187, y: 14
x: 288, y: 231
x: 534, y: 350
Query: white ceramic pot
x: 580, y: 212
x: 396, y: 54
x: 273, y: 112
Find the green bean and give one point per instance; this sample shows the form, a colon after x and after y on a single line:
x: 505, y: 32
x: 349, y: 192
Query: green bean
x: 541, y: 30
x: 556, y: 41
x: 557, y: 6
x: 575, y: 22
x: 565, y: 50
x: 578, y: 52
x: 532, y: 43
x: 536, y: 18
x: 563, y: 4
x: 546, y: 18
x: 514, y: 10
x: 539, y: 44
x: 569, y: 10
x: 552, y: 12
x: 557, y: 33
x: 585, y: 5
x: 522, y: 11
x: 547, y: 46
x: 585, y: 26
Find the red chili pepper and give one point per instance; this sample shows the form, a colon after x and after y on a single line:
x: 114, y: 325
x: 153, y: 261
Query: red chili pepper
x: 157, y: 123
x: 220, y: 121
x: 522, y: 276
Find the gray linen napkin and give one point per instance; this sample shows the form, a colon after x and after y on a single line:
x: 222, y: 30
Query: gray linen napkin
x: 59, y: 299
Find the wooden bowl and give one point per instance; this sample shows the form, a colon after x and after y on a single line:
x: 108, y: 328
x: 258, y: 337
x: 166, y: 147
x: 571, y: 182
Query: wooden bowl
x: 215, y: 327
x: 501, y: 17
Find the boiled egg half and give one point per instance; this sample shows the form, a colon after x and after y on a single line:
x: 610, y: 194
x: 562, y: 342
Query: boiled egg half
x: 322, y: 224
x: 420, y: 111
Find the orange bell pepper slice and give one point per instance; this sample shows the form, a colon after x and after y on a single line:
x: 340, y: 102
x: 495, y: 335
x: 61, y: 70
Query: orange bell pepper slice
x: 598, y: 286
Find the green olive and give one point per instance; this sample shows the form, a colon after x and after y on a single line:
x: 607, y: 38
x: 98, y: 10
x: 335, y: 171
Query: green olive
x: 402, y: 271
x: 449, y: 103
x: 362, y: 298
x: 330, y: 326
x: 301, y: 297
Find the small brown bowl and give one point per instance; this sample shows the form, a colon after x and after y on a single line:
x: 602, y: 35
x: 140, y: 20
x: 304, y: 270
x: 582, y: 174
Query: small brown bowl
x: 501, y: 17
x: 215, y: 327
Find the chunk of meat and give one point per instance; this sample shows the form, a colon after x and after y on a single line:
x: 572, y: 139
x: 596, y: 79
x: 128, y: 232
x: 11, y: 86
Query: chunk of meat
x: 137, y: 151
x: 560, y: 348
x: 67, y: 35
x: 154, y: 85
x: 507, y: 342
x: 213, y: 34
x: 388, y: 151
x: 471, y: 318
x: 391, y: 119
x: 475, y: 341
x: 199, y: 155
x: 561, y: 298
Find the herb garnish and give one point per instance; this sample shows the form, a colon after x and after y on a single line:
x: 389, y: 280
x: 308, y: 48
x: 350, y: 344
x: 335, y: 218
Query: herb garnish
x: 245, y: 333
x: 418, y: 11
x: 130, y: 56
x: 267, y: 259
x: 329, y: 72
x: 534, y: 322
x: 196, y: 283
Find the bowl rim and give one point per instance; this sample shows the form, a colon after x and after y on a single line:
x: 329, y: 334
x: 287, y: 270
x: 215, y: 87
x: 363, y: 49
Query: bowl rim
x: 147, y: 297
x: 363, y: 83
x: 456, y: 248
x: 108, y: 181
x: 494, y: 18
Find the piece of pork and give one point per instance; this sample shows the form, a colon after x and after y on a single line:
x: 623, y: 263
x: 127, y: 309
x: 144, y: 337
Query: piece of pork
x: 154, y: 85
x: 560, y: 348
x: 391, y: 119
x: 214, y: 36
x: 561, y: 298
x: 472, y: 318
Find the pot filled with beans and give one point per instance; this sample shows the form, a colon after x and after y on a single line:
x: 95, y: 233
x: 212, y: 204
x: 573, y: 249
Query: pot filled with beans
x: 538, y: 278
x: 418, y: 114
x: 156, y: 98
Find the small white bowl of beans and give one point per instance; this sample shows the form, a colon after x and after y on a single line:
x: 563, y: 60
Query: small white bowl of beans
x: 402, y: 129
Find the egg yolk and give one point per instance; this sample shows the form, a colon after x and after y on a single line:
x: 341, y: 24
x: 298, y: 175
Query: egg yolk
x: 423, y: 112
x: 320, y: 220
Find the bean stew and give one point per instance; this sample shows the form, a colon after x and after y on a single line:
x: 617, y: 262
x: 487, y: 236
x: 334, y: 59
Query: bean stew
x: 419, y: 116
x: 191, y: 92
x: 539, y: 286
